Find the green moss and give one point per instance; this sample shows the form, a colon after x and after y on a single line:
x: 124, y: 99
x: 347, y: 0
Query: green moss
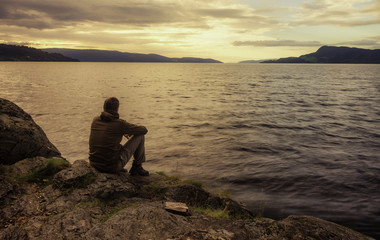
x: 155, y: 190
x: 85, y: 180
x: 158, y: 188
x: 177, y: 179
x: 45, y: 173
x: 162, y: 174
x: 110, y: 208
x: 214, y: 213
x: 81, y: 182
x: 193, y: 182
x: 110, y: 213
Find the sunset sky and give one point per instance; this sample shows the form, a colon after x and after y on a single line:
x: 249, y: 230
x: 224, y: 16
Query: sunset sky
x: 226, y: 30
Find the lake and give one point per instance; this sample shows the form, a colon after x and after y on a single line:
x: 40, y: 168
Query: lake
x: 281, y: 138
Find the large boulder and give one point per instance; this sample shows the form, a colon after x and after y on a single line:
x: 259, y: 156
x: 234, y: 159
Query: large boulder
x: 20, y: 136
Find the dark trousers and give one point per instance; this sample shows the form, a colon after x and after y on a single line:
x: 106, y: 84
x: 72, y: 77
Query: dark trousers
x: 134, y: 147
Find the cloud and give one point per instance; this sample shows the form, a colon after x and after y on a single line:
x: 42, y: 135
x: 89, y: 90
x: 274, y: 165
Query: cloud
x: 349, y: 13
x: 65, y: 13
x: 373, y: 8
x: 278, y: 43
x: 343, y: 22
x: 371, y: 42
x: 42, y: 14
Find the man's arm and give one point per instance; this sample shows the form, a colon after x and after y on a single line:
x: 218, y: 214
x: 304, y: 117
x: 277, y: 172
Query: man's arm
x: 133, y: 129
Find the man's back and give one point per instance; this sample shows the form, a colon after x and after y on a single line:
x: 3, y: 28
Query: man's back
x: 106, y: 134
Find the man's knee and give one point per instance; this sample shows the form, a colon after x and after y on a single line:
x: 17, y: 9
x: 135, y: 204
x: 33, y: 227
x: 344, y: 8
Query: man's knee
x: 139, y: 138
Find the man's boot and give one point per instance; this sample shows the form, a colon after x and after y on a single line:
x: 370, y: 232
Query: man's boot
x: 138, y: 170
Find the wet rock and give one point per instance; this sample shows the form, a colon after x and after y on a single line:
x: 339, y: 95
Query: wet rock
x: 20, y: 136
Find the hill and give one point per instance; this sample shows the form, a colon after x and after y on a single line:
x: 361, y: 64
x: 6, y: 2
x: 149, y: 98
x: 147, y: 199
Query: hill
x: 24, y: 53
x: 255, y: 61
x: 91, y: 55
x: 328, y: 54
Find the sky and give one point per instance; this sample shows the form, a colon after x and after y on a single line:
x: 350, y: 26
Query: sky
x: 225, y: 30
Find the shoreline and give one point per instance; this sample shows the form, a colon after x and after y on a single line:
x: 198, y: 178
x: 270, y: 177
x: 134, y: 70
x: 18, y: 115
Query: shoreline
x: 43, y: 196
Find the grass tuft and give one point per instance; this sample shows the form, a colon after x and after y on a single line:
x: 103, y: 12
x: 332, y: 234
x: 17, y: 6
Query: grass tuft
x: 214, y: 213
x: 110, y: 213
x: 46, y: 172
x: 193, y: 182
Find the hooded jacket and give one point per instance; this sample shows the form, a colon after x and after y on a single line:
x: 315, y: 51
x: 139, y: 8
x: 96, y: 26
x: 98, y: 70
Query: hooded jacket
x: 107, y: 131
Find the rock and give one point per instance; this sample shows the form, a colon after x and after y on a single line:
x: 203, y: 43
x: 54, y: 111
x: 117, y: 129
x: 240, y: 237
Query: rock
x: 189, y: 194
x: 8, y: 189
x: 20, y: 136
x: 84, y: 180
x: 80, y: 173
x: 177, y: 207
x: 302, y: 227
x: 206, y: 235
x: 298, y: 228
x: 108, y: 186
x: 198, y: 197
x: 67, y: 225
x: 13, y: 233
x: 145, y: 221
x: 28, y: 165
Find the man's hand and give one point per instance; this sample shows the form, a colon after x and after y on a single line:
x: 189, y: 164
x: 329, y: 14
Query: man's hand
x: 128, y: 136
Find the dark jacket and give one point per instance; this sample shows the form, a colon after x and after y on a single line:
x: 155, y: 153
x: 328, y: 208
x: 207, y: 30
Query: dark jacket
x: 107, y: 131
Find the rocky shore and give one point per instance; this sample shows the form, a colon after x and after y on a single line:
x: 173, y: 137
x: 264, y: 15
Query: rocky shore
x: 43, y: 196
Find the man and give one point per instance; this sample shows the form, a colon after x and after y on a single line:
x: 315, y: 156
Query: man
x: 107, y: 131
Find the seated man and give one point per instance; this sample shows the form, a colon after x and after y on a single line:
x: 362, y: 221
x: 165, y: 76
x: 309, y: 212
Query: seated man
x: 107, y: 131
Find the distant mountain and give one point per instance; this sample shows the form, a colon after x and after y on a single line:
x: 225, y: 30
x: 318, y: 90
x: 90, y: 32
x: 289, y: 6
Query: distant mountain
x: 90, y: 55
x: 327, y: 54
x: 23, y: 53
x: 255, y: 61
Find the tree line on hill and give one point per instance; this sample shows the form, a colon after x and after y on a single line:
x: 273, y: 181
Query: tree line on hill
x: 24, y: 53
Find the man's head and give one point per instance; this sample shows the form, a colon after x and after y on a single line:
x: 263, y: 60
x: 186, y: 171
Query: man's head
x: 111, y: 105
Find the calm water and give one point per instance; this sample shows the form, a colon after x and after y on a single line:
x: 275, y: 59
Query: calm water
x: 284, y: 139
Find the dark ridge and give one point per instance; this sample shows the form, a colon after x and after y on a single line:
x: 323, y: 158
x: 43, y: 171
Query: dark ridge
x: 91, y: 55
x: 24, y: 53
x: 328, y: 54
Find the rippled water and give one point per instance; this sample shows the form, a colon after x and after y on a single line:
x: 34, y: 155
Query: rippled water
x: 284, y: 139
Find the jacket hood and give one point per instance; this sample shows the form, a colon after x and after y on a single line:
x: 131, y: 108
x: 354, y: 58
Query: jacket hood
x: 107, y: 116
